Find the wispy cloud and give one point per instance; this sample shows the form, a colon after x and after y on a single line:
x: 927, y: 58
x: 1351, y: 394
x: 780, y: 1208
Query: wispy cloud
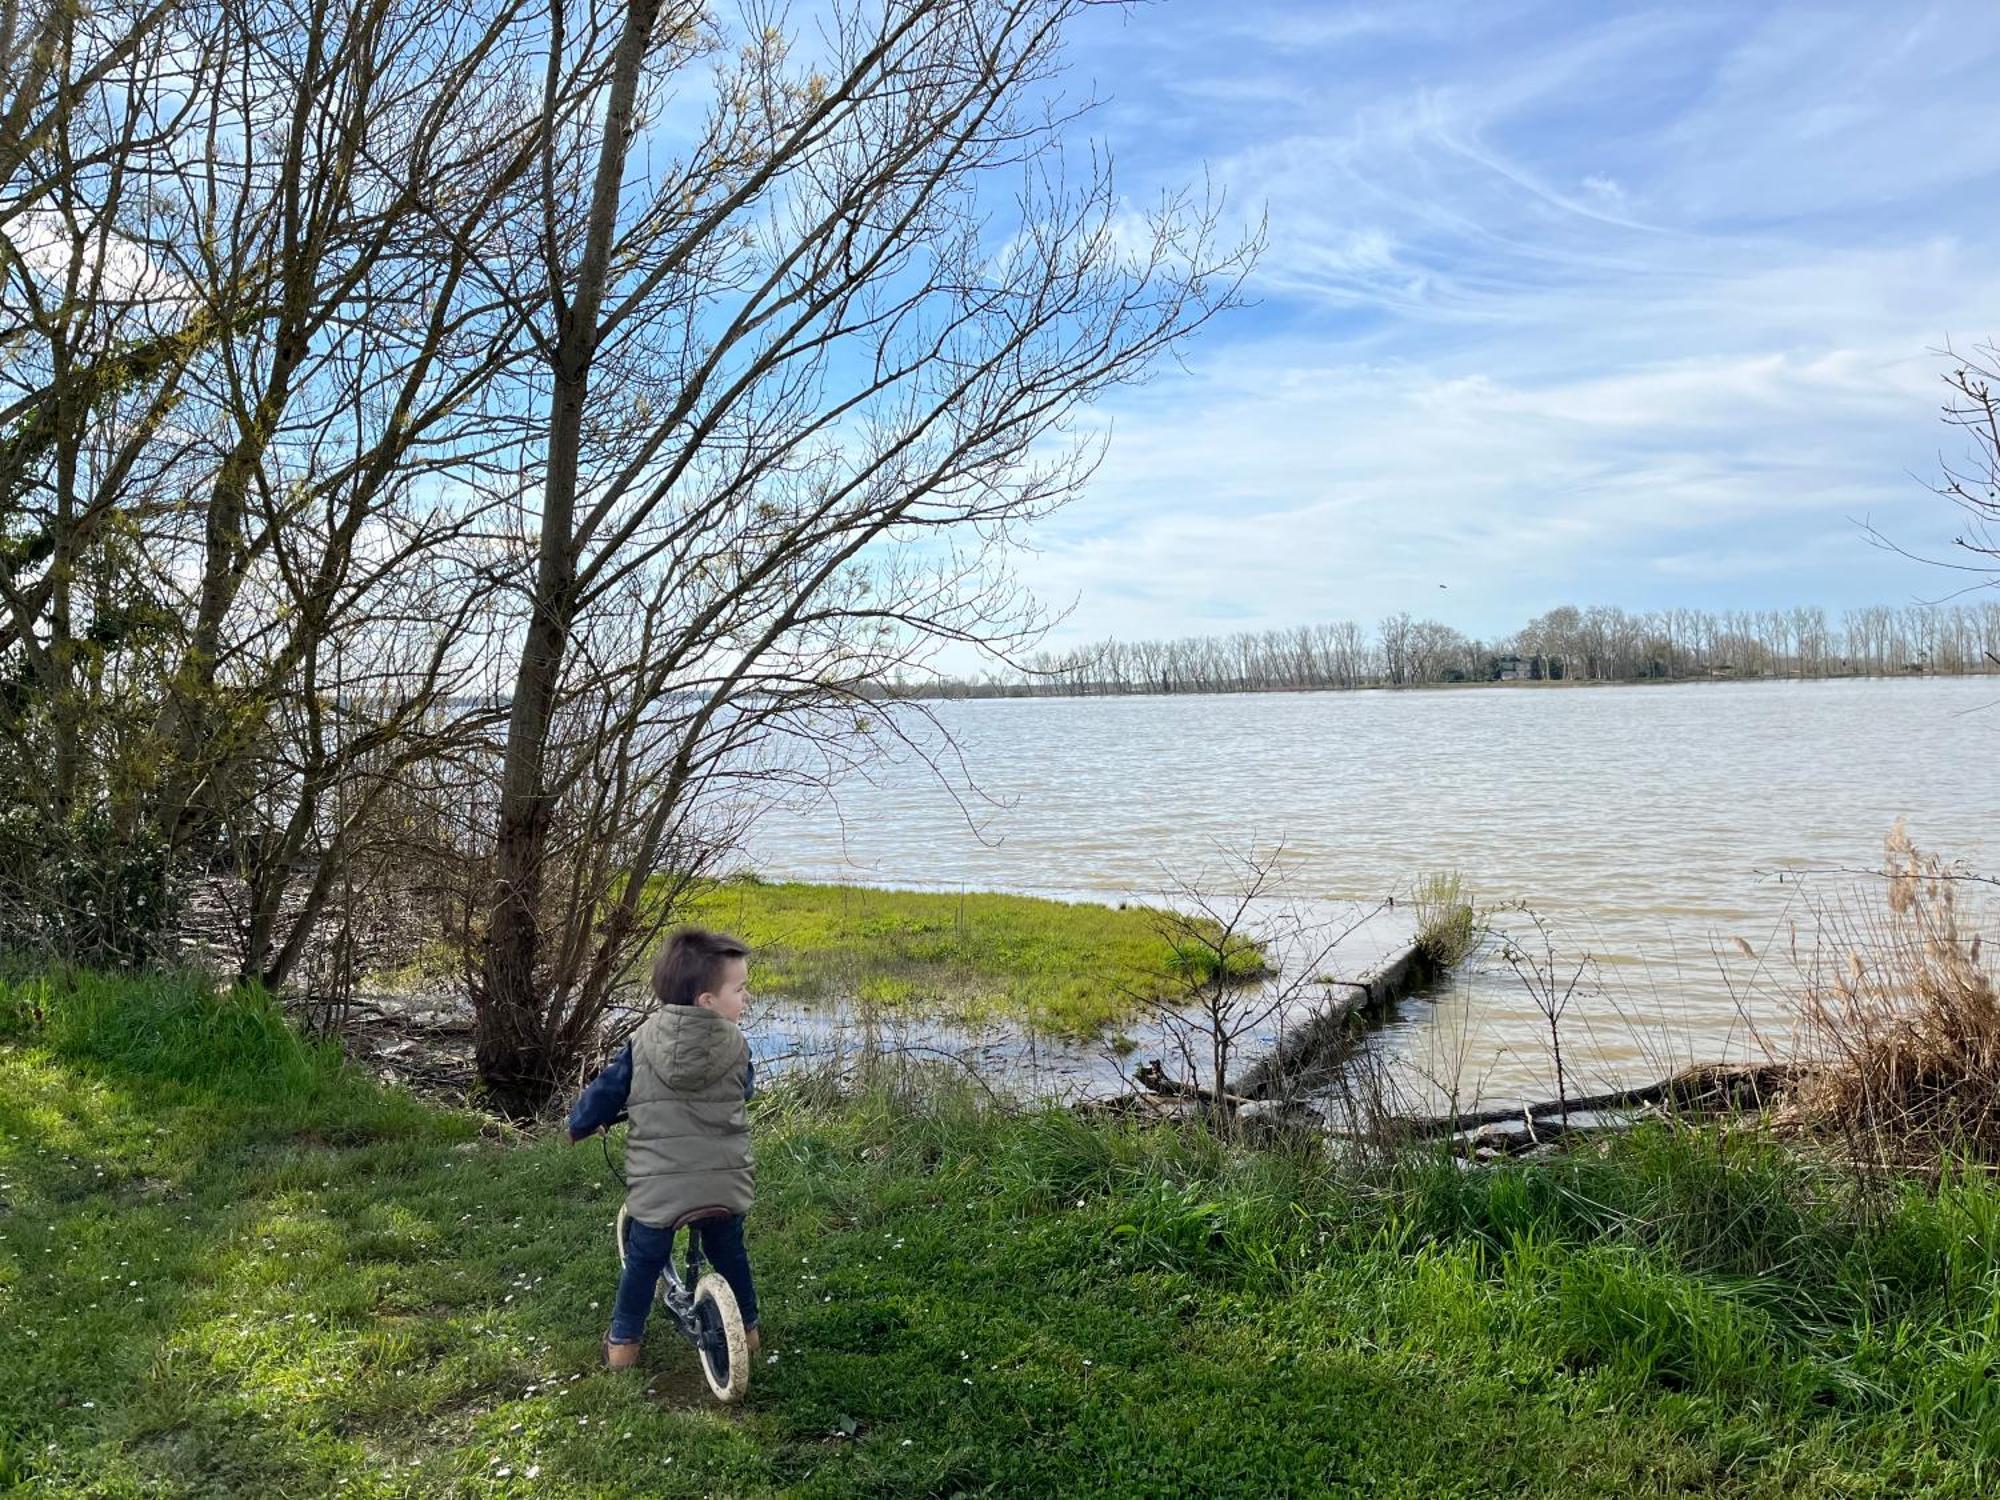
x: 1561, y: 303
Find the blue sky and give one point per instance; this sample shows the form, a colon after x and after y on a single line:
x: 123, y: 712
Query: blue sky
x: 1564, y: 303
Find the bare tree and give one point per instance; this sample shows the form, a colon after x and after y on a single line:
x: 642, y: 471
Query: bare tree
x: 353, y: 544
x: 1214, y: 993
x: 800, y: 385
x: 1550, y: 982
x: 254, y: 442
x: 1973, y: 484
x: 367, y: 157
x: 1246, y: 961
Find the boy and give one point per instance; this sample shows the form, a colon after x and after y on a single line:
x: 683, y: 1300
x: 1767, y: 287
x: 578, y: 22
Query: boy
x: 683, y: 1080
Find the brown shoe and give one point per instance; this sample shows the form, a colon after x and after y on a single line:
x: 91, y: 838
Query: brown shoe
x: 620, y: 1354
x: 752, y: 1340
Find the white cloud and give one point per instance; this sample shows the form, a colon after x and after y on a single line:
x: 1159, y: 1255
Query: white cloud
x: 1559, y: 304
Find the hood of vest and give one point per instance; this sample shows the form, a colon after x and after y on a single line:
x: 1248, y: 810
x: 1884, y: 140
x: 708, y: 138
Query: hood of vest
x: 688, y: 1047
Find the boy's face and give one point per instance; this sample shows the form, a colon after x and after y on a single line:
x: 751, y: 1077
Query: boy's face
x: 732, y: 997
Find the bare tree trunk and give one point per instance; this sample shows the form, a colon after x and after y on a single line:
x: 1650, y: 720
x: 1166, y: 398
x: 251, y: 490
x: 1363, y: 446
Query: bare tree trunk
x: 510, y: 1039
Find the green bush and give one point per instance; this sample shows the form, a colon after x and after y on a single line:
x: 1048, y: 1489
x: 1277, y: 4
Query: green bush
x: 1447, y: 926
x: 83, y: 891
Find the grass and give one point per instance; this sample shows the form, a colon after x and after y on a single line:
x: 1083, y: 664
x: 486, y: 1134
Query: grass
x: 232, y: 1267
x: 1065, y: 968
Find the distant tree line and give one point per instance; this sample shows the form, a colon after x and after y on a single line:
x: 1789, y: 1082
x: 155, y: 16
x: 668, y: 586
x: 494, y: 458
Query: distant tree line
x: 1599, y: 644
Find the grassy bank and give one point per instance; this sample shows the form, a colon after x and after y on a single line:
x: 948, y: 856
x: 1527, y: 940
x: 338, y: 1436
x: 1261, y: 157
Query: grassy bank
x: 1069, y: 968
x: 231, y: 1267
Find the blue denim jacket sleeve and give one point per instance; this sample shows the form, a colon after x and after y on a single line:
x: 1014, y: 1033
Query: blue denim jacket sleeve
x: 602, y: 1102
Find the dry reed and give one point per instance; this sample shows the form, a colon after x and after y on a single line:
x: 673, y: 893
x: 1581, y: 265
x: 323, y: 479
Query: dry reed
x: 1901, y: 1020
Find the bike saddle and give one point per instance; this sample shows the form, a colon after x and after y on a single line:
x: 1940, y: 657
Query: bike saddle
x: 697, y: 1215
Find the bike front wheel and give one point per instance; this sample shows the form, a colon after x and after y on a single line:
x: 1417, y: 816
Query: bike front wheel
x: 720, y: 1339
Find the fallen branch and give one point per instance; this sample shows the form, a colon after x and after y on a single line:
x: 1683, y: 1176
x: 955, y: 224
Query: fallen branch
x: 1711, y: 1088
x: 1527, y: 1135
x: 1153, y: 1079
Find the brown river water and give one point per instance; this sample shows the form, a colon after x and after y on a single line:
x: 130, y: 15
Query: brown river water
x: 1661, y: 831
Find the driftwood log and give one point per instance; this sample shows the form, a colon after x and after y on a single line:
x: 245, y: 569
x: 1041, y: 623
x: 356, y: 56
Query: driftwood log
x: 1708, y: 1088
x: 1519, y: 1137
x: 1158, y: 1097
x: 1152, y: 1077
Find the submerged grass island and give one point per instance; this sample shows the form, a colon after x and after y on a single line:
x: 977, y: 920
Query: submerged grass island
x: 1065, y: 968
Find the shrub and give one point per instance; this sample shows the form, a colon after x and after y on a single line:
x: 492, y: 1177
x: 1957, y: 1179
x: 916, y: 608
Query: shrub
x: 82, y: 890
x: 1447, y: 926
x: 1901, y: 1014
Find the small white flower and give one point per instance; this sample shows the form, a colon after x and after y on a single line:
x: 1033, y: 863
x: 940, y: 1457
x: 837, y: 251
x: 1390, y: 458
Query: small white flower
x: 534, y: 1471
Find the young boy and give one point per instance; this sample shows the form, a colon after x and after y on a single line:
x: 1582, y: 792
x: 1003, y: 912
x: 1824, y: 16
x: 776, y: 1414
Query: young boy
x: 683, y: 1080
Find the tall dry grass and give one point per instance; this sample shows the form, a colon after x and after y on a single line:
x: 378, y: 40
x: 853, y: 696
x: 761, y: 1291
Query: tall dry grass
x: 1447, y: 924
x: 1900, y: 1016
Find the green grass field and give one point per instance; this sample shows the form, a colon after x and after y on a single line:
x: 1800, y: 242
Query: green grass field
x: 228, y: 1266
x: 1067, y: 968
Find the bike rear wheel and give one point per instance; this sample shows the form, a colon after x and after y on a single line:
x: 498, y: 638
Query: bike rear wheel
x: 720, y: 1340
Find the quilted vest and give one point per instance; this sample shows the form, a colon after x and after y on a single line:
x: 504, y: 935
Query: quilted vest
x: 688, y: 1146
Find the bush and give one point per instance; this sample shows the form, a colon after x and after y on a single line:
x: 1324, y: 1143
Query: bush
x: 1447, y: 927
x: 1901, y: 1012
x: 81, y: 890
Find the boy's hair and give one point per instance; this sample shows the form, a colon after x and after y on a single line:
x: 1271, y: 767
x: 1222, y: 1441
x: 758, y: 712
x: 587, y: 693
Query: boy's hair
x: 691, y: 964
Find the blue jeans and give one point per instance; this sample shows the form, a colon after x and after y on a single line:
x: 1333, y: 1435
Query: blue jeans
x: 647, y: 1251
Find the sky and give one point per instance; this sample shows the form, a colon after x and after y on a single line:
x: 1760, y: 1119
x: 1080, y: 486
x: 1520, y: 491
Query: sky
x: 1620, y: 303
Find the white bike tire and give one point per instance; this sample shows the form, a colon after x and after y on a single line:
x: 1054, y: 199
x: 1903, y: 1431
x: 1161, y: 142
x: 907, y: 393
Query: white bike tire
x: 736, y: 1380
